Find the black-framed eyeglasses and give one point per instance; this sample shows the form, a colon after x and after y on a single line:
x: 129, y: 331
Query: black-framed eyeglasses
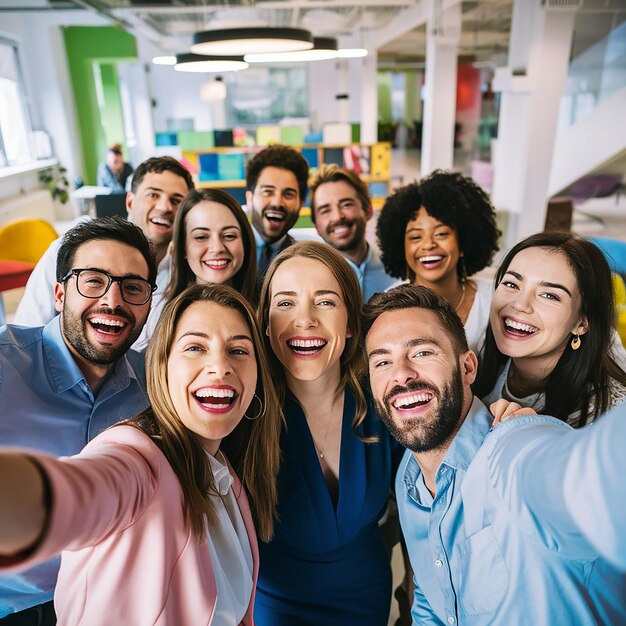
x: 95, y: 283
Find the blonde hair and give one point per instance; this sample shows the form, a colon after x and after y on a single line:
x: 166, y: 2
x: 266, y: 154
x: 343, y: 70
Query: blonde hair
x: 352, y: 360
x: 253, y: 446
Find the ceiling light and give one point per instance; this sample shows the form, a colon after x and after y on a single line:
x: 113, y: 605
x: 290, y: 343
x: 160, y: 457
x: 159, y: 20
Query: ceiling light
x: 164, y: 60
x: 213, y: 90
x: 351, y: 53
x: 248, y: 40
x: 201, y: 63
x: 324, y: 48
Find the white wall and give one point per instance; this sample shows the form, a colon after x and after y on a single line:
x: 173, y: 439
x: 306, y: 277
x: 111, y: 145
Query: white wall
x: 46, y: 76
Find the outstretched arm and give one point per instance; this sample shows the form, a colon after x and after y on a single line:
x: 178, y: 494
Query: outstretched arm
x: 566, y: 486
x: 22, y: 506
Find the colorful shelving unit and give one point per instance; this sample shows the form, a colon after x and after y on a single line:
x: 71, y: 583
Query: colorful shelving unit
x: 217, y: 165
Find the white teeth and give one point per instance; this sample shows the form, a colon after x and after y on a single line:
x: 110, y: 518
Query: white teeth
x: 107, y: 322
x: 274, y: 215
x: 519, y: 326
x: 306, y: 343
x: 215, y: 393
x: 414, y: 399
x: 161, y: 221
x: 217, y: 263
x: 430, y: 259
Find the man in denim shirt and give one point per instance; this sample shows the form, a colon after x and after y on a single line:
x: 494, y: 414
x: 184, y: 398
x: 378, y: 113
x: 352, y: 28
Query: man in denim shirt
x: 64, y: 383
x: 493, y: 520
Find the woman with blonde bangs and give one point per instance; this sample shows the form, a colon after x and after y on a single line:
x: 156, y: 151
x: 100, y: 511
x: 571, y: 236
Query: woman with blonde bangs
x: 212, y: 243
x: 327, y: 563
x: 157, y: 523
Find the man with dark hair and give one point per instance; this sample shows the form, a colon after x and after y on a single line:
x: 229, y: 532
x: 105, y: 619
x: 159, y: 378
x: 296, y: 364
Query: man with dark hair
x: 340, y: 210
x: 114, y: 172
x: 495, y: 520
x: 158, y: 187
x: 64, y: 383
x: 276, y: 181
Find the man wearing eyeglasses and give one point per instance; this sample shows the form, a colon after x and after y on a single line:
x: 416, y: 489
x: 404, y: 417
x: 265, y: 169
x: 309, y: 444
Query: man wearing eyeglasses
x: 65, y: 382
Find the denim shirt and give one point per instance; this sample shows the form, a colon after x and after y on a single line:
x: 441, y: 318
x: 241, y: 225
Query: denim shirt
x: 371, y: 273
x: 497, y: 546
x: 46, y: 405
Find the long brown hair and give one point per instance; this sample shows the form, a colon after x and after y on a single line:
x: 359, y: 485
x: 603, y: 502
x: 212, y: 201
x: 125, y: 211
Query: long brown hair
x: 352, y: 360
x: 244, y: 281
x: 253, y: 446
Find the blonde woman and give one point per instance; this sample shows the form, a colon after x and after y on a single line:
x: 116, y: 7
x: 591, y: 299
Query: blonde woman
x: 155, y: 520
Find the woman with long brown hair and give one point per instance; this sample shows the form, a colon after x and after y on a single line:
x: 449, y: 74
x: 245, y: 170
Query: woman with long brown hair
x: 212, y: 243
x: 327, y: 563
x: 157, y: 523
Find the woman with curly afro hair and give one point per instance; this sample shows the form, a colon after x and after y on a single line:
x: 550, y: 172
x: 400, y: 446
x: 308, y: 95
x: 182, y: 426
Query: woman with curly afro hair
x: 448, y: 228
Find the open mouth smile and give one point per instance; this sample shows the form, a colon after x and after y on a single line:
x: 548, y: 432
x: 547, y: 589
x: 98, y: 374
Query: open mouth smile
x: 217, y: 264
x: 309, y: 347
x: 275, y: 217
x: 413, y: 400
x: 161, y: 222
x: 107, y: 326
x: 514, y: 328
x: 340, y: 230
x: 431, y: 261
x: 215, y: 399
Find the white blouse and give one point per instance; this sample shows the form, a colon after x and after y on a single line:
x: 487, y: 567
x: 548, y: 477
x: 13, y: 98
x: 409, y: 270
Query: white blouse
x: 230, y: 551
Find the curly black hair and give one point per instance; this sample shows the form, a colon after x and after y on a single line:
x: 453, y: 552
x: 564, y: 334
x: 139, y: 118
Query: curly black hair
x: 283, y: 157
x: 454, y: 200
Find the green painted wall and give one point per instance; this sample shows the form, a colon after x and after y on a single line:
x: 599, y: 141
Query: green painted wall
x: 111, y: 115
x: 384, y: 97
x: 412, y: 101
x: 86, y: 46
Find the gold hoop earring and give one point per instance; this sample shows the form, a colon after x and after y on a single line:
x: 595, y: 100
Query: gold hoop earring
x: 261, y: 409
x: 575, y: 343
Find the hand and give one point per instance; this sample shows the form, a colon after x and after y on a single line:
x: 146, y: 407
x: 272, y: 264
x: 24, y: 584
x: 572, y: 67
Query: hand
x: 504, y: 409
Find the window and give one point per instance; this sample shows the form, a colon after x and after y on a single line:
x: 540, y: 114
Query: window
x: 15, y: 131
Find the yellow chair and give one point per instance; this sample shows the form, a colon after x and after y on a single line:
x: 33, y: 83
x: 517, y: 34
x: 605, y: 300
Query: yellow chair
x: 22, y: 243
x: 619, y: 295
x: 26, y: 239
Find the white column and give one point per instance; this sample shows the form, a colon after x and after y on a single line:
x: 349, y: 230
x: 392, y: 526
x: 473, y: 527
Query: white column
x: 343, y: 104
x: 531, y: 86
x: 442, y: 42
x: 369, y: 98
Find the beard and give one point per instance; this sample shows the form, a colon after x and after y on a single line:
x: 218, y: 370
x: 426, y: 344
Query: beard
x: 75, y: 333
x: 431, y: 430
x: 354, y: 243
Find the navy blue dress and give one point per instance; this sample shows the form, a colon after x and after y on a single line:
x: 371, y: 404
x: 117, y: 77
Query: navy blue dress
x: 328, y: 566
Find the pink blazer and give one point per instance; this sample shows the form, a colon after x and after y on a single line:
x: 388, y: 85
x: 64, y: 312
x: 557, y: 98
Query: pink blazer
x: 129, y: 556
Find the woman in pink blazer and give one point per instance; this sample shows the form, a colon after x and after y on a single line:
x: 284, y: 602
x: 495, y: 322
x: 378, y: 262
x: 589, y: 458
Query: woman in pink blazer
x: 155, y: 525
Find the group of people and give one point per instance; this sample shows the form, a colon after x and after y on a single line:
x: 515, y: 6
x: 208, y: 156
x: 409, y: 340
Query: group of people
x: 245, y: 417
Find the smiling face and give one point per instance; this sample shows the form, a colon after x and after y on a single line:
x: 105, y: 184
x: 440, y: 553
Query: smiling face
x: 431, y: 249
x: 275, y: 203
x: 211, y: 371
x: 213, y: 244
x: 308, y: 319
x: 419, y: 384
x: 101, y: 330
x: 154, y: 204
x: 536, y: 307
x: 340, y: 218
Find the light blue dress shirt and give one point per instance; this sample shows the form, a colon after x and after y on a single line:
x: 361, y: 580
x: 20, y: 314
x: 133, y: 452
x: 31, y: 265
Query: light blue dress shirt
x: 501, y: 541
x: 371, y: 273
x: 46, y: 404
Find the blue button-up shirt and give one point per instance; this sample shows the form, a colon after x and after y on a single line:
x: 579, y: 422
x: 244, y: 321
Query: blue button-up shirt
x: 46, y: 404
x: 497, y: 545
x: 371, y: 273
